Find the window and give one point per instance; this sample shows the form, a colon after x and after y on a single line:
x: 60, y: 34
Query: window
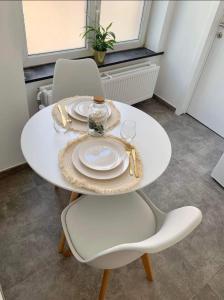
x: 51, y: 25
x: 52, y: 28
x: 126, y: 17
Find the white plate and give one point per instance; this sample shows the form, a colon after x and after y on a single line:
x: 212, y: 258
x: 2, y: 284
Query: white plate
x: 82, y: 107
x: 100, y: 175
x: 73, y: 114
x: 101, y: 154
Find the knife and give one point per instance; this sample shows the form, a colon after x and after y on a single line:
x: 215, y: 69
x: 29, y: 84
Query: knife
x: 62, y: 115
x: 133, y: 152
x: 130, y: 162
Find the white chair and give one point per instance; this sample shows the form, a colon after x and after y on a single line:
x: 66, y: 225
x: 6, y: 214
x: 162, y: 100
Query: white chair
x: 76, y: 77
x: 109, y: 232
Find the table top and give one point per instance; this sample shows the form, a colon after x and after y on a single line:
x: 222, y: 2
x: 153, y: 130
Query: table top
x: 41, y: 143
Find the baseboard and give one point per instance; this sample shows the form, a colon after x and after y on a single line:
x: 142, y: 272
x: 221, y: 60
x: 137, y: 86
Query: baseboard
x: 165, y: 102
x: 13, y: 170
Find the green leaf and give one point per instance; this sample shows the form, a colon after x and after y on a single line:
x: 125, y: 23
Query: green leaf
x: 87, y: 31
x: 112, y: 34
x: 110, y: 47
x: 89, y: 27
x: 102, y: 39
x: 104, y: 35
x: 109, y: 26
x: 102, y: 28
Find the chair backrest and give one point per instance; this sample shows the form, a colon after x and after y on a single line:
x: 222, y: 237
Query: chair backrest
x: 177, y: 225
x: 76, y: 77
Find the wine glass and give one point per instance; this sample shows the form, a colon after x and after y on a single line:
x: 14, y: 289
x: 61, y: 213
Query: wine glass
x: 59, y: 128
x: 128, y: 130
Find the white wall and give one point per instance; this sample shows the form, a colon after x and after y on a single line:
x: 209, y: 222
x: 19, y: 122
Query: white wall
x: 159, y: 24
x: 192, y: 21
x: 14, y: 110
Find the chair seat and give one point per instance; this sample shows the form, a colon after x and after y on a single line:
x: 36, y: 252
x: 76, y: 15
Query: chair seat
x: 97, y: 223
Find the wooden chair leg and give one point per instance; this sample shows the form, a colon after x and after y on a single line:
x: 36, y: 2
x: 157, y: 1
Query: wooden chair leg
x: 73, y: 196
x: 67, y: 252
x: 147, y: 266
x: 61, y: 246
x: 104, y: 285
x: 61, y: 243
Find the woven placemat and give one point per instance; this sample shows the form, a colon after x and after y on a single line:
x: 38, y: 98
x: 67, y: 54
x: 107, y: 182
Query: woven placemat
x: 122, y: 184
x: 79, y: 126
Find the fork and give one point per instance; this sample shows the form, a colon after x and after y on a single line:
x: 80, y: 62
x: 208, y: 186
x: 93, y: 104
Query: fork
x: 130, y: 162
x: 68, y: 119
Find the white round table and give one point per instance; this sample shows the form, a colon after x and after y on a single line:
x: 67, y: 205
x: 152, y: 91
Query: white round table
x: 41, y: 143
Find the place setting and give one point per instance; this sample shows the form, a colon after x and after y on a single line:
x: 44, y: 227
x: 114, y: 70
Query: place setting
x: 72, y: 114
x: 104, y: 164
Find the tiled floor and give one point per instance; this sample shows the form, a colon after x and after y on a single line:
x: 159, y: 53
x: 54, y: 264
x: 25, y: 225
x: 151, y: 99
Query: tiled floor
x: 31, y: 268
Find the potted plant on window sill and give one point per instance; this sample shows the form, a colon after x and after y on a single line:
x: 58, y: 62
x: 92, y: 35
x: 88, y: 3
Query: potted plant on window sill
x: 101, y: 39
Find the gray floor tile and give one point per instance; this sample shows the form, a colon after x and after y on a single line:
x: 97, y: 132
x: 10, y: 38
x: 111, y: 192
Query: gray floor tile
x: 207, y: 294
x: 217, y: 282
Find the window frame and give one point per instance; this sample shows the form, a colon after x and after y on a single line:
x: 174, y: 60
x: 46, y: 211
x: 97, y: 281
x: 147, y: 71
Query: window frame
x: 92, y: 18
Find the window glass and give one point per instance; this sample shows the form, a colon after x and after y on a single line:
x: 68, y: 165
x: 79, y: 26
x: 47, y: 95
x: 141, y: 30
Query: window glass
x: 126, y: 17
x: 54, y: 25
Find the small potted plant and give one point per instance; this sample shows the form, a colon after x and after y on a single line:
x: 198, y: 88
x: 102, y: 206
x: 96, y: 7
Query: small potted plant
x: 101, y: 39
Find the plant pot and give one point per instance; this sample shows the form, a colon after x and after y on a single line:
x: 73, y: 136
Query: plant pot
x: 99, y: 56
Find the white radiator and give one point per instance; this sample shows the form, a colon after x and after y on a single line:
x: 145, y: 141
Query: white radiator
x: 44, y: 95
x: 128, y: 84
x: 131, y: 84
